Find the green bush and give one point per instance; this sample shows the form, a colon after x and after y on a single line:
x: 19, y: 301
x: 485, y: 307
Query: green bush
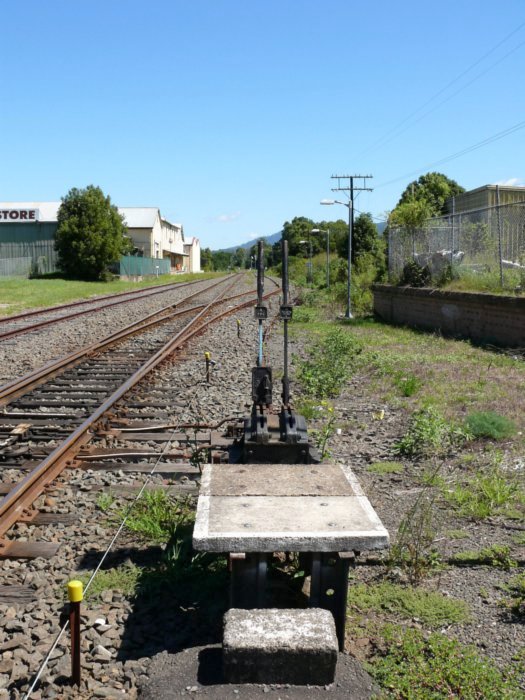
x: 330, y: 361
x: 430, y: 433
x: 414, y: 275
x: 489, y: 424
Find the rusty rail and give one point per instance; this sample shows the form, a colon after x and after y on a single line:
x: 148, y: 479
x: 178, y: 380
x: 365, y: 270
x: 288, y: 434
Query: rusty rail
x: 22, y: 496
x: 47, y: 322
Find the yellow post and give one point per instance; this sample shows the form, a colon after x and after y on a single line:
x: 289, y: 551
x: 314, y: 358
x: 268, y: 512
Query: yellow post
x: 238, y: 328
x: 75, y: 595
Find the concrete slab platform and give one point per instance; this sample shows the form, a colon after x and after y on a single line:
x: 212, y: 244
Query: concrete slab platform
x: 299, y: 508
x: 280, y: 646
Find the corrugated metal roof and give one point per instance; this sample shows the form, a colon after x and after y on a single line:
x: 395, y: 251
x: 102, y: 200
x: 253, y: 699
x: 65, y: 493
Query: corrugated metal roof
x: 140, y: 217
x: 47, y: 210
x: 136, y: 217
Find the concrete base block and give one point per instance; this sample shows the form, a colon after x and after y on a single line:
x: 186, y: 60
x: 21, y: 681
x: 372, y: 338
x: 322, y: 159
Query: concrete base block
x: 280, y: 646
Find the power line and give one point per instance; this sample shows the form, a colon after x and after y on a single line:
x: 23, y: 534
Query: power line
x: 349, y: 191
x: 469, y: 149
x: 383, y: 140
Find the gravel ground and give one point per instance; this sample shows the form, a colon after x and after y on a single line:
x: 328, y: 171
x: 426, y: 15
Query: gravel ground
x: 20, y: 355
x: 122, y: 637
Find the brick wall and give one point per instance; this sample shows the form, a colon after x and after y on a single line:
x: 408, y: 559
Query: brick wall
x: 486, y: 318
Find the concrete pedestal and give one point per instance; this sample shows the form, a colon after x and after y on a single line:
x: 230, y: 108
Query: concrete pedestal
x: 280, y: 646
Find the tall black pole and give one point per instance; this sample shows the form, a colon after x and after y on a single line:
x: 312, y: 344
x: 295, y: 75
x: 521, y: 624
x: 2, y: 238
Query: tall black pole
x: 350, y: 232
x: 260, y: 294
x: 286, y: 383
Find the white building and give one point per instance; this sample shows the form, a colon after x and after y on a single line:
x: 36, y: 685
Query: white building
x: 151, y: 234
x: 192, y: 247
x: 155, y: 237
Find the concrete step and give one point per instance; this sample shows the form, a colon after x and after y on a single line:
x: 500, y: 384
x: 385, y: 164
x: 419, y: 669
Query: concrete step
x: 293, y: 646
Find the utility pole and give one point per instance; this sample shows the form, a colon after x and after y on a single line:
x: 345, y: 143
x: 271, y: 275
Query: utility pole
x: 350, y: 189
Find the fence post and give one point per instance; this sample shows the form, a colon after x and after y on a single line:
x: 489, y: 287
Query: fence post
x: 452, y: 242
x: 500, y: 251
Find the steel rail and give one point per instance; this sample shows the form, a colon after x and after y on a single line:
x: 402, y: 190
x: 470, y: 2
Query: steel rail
x: 20, y: 386
x: 23, y: 495
x: 48, y: 322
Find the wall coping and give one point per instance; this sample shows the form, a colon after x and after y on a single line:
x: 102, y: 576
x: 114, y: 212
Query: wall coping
x: 452, y: 296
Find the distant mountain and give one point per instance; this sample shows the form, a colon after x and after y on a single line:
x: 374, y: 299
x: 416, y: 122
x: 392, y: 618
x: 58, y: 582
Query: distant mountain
x: 269, y: 240
x: 381, y: 226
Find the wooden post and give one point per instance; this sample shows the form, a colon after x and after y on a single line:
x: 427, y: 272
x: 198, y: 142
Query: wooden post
x: 74, y: 590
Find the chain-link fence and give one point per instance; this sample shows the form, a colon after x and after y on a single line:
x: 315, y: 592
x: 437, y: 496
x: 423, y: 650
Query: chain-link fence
x: 488, y: 243
x: 27, y: 258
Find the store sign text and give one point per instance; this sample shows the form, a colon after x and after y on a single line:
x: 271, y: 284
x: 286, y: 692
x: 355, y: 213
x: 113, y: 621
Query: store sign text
x: 19, y: 215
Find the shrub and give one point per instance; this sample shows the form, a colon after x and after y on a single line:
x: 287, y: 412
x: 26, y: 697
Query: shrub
x: 414, y: 275
x: 489, y: 424
x: 429, y: 433
x: 328, y: 365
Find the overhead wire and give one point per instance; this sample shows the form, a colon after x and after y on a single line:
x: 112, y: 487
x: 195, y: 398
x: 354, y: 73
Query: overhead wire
x: 453, y: 156
x: 394, y: 132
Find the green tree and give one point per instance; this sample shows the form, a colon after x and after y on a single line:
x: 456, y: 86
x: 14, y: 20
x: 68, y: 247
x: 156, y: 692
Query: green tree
x: 239, y: 258
x: 222, y: 260
x: 299, y: 230
x: 433, y: 189
x: 268, y: 254
x: 365, y: 239
x: 90, y: 234
x: 409, y: 217
x: 207, y: 259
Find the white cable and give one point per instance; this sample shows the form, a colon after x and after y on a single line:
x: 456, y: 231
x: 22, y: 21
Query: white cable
x: 104, y: 556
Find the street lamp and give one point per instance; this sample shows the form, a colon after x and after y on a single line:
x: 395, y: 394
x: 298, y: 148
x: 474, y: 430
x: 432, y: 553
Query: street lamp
x: 309, y: 276
x: 320, y: 230
x: 348, y: 313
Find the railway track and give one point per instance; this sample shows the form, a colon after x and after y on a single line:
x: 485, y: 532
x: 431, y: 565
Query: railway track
x: 30, y: 321
x: 50, y: 415
x: 142, y: 442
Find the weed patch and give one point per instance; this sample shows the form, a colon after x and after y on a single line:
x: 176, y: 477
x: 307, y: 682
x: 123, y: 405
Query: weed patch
x: 488, y: 424
x: 485, y: 494
x: 497, y: 555
x: 123, y: 578
x: 105, y: 501
x: 407, y: 384
x: 330, y: 361
x: 157, y: 515
x: 429, y: 433
x: 516, y: 588
x: 413, y: 551
x: 418, y: 668
x: 386, y: 468
x: 323, y: 434
x: 430, y: 607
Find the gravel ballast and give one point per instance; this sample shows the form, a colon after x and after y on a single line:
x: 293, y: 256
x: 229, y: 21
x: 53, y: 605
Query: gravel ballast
x: 128, y: 644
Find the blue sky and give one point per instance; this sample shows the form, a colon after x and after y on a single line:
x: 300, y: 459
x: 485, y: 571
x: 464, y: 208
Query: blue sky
x: 232, y: 115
